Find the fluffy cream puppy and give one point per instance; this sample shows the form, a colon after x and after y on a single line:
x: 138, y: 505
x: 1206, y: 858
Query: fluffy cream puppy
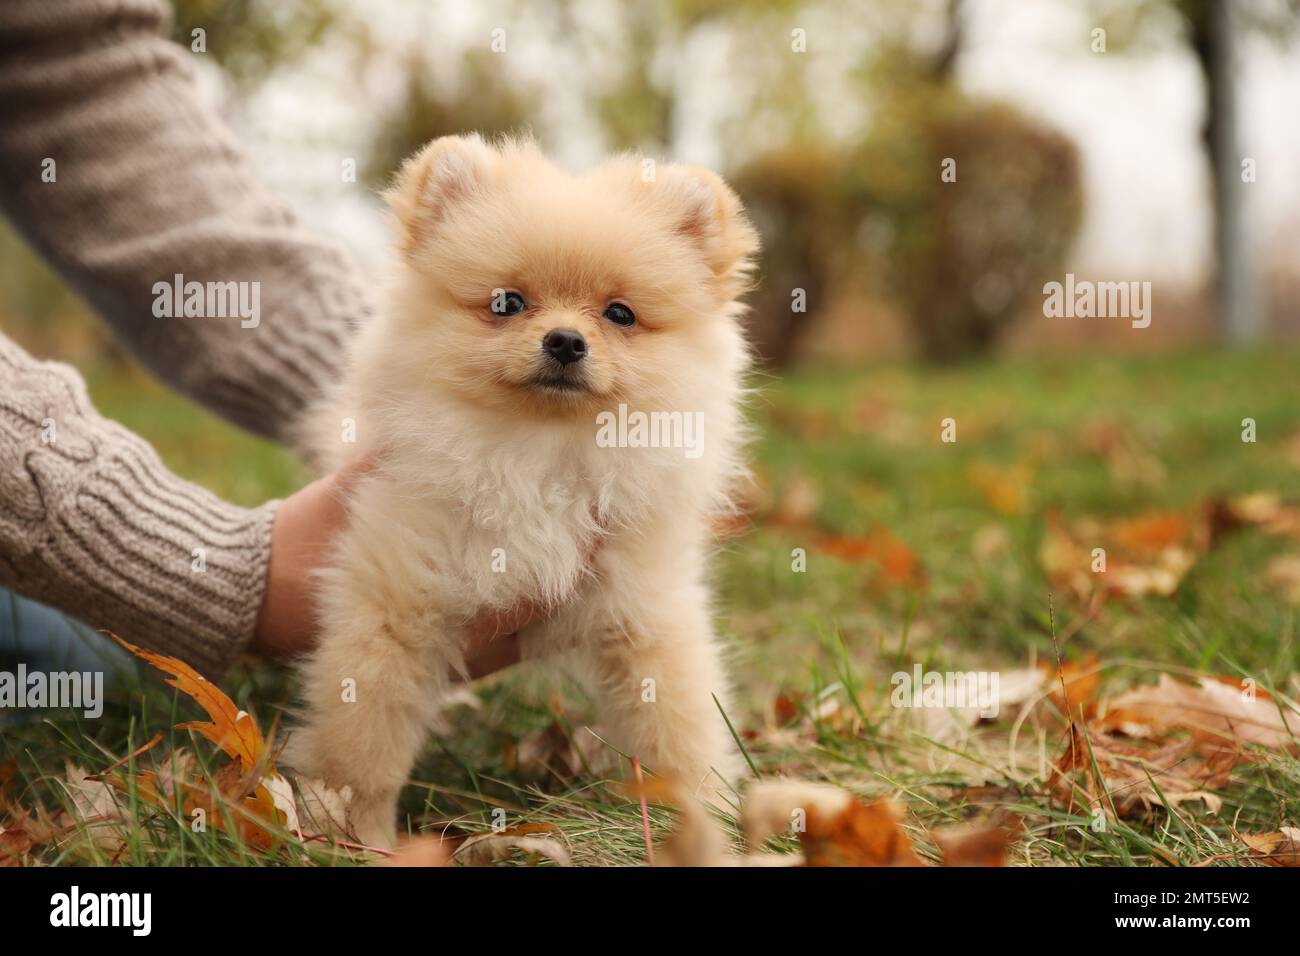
x: 525, y: 303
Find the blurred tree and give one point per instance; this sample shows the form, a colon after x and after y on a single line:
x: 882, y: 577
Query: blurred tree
x: 978, y: 206
x: 972, y: 204
x: 638, y: 110
x: 251, y: 39
x: 797, y: 200
x: 483, y: 100
x: 1213, y: 30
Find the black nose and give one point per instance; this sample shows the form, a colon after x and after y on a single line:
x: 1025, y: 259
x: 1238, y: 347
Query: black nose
x: 565, y: 346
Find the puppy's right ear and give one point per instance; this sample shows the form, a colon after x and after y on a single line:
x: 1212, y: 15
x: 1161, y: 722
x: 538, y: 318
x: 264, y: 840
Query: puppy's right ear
x: 449, y: 170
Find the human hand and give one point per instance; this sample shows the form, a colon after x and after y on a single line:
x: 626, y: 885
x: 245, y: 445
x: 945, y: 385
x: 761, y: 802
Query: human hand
x: 305, y: 525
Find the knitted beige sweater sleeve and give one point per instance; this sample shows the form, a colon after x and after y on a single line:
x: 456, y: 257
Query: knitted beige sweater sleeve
x: 112, y: 169
x: 93, y: 524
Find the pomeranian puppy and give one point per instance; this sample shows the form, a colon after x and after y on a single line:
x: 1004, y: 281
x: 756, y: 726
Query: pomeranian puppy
x: 551, y: 398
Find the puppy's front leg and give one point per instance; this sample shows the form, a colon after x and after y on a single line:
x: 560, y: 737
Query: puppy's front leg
x: 372, y: 690
x: 655, y: 671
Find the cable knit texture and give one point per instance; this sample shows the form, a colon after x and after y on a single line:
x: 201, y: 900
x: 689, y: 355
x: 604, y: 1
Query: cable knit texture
x: 92, y: 523
x: 146, y: 185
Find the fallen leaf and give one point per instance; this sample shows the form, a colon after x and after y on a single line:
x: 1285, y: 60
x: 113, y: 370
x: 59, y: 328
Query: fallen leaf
x: 982, y: 844
x: 1073, y: 687
x: 951, y: 724
x: 1145, y: 556
x: 487, y: 848
x: 1017, y: 687
x: 834, y: 828
x: 786, y: 709
x: 1130, y: 774
x: 247, y: 796
x: 1276, y: 849
x: 230, y: 728
x: 15, y: 847
x: 1264, y: 510
x: 96, y: 807
x: 1006, y: 490
x: 1219, y: 711
x: 321, y: 809
x: 899, y: 565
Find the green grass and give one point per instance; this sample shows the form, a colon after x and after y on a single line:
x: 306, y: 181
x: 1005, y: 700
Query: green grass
x: 866, y: 442
x: 227, y: 461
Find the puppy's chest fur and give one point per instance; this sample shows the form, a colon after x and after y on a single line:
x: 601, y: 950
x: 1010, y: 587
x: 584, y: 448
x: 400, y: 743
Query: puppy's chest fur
x: 495, y: 515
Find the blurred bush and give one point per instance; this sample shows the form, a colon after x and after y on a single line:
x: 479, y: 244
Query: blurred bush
x: 964, y: 258
x: 800, y: 203
x: 251, y: 39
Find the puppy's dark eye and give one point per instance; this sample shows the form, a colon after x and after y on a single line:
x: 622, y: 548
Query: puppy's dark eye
x: 620, y: 314
x: 507, y: 303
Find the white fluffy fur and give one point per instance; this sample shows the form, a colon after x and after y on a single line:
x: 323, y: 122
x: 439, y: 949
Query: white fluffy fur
x: 471, y: 458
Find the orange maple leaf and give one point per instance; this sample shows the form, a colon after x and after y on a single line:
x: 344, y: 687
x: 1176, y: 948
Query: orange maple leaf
x: 233, y: 730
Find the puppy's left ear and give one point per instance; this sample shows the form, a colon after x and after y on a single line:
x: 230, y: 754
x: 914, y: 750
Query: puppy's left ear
x: 705, y: 209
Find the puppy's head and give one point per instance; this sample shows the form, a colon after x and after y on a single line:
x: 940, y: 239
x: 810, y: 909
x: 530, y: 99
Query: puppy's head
x: 528, y: 289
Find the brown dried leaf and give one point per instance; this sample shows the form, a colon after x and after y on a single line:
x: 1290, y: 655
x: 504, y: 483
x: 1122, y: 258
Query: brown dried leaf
x: 1146, y: 555
x: 898, y: 564
x: 1213, y: 709
x: 1276, y: 849
x: 983, y: 844
x: 1081, y: 682
x: 1130, y: 774
x: 487, y: 848
x: 15, y: 847
x: 1266, y: 511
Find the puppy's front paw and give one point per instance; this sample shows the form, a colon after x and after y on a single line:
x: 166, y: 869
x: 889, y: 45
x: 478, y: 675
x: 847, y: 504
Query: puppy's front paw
x: 343, y: 815
x: 373, y: 820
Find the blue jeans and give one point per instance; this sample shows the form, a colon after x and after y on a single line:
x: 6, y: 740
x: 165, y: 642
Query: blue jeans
x: 43, y: 639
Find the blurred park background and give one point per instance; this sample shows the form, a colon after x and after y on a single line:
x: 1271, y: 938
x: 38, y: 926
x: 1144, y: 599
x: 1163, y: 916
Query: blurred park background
x: 1147, y: 141
x: 1129, y: 140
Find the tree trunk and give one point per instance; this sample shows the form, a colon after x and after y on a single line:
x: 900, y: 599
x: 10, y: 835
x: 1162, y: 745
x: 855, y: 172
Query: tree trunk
x: 1239, y: 318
